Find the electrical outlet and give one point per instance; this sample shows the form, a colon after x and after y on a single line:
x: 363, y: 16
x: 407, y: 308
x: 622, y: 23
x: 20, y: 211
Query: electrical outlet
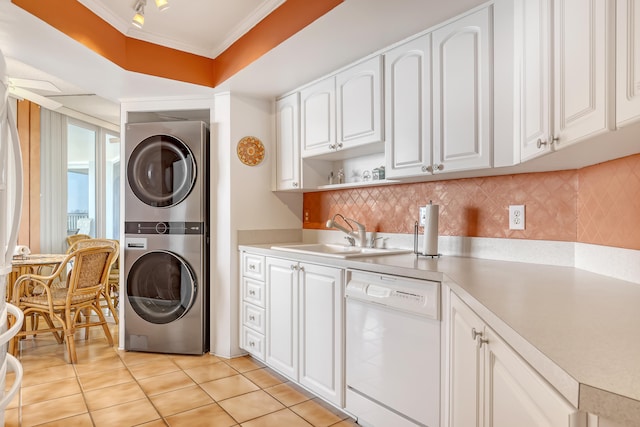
x: 516, y: 217
x: 423, y: 215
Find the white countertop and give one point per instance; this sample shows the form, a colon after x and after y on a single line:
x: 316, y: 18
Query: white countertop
x: 579, y: 330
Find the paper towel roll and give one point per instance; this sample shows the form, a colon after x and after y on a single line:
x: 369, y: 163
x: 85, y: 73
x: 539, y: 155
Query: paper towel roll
x: 21, y: 250
x: 430, y: 243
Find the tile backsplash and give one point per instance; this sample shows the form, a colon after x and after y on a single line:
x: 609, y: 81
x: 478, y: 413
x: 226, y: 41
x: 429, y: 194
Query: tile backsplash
x: 609, y: 203
x: 599, y: 204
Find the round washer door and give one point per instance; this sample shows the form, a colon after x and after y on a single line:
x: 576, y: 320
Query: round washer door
x: 161, y: 287
x: 161, y: 171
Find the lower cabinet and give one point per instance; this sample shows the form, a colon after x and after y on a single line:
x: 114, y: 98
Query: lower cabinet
x: 491, y: 385
x: 304, y: 317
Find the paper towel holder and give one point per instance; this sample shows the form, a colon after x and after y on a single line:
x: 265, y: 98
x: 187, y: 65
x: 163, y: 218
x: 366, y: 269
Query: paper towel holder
x: 415, y: 244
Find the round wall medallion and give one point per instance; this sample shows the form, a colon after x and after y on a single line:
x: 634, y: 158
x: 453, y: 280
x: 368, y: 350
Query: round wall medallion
x: 250, y: 151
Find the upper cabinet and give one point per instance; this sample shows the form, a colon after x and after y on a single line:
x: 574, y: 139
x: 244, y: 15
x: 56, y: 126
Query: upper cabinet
x: 533, y: 17
x: 438, y: 100
x: 462, y: 116
x: 288, y: 143
x: 359, y: 104
x: 581, y: 63
x: 627, y: 61
x: 318, y: 117
x: 343, y: 112
x: 561, y: 53
x: 407, y: 74
x: 500, y: 85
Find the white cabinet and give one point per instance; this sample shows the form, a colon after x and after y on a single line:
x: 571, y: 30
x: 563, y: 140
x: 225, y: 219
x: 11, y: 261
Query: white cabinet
x: 462, y: 111
x: 627, y: 61
x: 581, y: 69
x: 533, y: 47
x: 252, y: 309
x: 490, y: 385
x: 562, y: 72
x: 359, y: 104
x: 282, y: 316
x: 407, y: 74
x: 304, y: 325
x: 318, y: 117
x: 343, y: 112
x: 288, y: 143
x: 320, y: 326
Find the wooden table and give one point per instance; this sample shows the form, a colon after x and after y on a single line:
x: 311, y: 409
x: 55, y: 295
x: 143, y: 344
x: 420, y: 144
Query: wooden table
x: 28, y: 264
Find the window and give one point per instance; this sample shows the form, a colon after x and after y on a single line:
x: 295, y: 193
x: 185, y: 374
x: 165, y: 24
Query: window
x: 79, y: 181
x: 93, y: 180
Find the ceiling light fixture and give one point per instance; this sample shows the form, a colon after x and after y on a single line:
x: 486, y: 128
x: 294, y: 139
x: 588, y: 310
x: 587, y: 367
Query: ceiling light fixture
x: 162, y: 4
x: 138, y: 18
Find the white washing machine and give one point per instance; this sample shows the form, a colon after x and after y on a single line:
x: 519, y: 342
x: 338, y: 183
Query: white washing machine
x: 166, y: 238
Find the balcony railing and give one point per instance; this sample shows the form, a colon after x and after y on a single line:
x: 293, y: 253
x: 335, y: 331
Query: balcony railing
x: 72, y: 221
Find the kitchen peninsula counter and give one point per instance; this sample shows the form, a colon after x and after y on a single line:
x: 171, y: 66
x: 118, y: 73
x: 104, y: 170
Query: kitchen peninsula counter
x: 578, y: 329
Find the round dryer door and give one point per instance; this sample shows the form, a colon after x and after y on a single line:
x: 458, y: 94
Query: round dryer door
x: 161, y: 171
x: 161, y: 287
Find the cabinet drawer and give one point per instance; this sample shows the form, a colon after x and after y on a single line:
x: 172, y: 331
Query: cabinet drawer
x: 253, y: 266
x: 253, y: 317
x: 253, y: 292
x: 253, y: 342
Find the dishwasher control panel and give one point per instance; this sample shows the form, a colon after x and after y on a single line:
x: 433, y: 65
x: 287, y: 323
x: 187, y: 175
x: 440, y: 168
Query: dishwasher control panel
x: 420, y: 297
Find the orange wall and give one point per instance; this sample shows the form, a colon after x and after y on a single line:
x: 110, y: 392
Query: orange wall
x: 589, y: 205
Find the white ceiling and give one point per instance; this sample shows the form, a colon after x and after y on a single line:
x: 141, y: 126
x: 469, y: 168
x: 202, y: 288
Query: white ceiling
x: 92, y: 85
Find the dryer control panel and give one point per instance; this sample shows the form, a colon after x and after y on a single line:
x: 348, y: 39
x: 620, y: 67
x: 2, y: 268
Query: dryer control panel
x: 171, y: 227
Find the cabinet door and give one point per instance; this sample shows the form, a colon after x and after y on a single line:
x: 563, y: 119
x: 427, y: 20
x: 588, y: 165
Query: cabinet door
x: 580, y: 69
x: 533, y: 19
x: 627, y: 61
x: 462, y: 98
x: 359, y: 104
x: 465, y: 366
x: 408, y: 108
x: 282, y: 318
x: 318, y: 117
x: 516, y: 395
x: 288, y: 143
x: 321, y: 296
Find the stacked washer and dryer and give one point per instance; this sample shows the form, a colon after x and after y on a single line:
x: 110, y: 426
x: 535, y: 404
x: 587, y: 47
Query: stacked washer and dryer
x: 166, y: 247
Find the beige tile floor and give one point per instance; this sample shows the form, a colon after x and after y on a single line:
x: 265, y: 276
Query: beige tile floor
x: 111, y: 387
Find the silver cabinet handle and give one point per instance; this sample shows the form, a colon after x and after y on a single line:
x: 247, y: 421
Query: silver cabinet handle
x: 438, y: 167
x: 339, y: 144
x: 479, y: 337
x: 332, y: 146
x: 540, y: 143
x: 252, y: 317
x: 295, y: 185
x: 426, y: 168
x: 475, y: 334
x: 294, y: 267
x: 252, y: 266
x: 252, y: 292
x: 252, y: 344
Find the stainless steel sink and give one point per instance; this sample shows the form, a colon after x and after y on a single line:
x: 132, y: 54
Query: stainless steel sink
x: 338, y: 251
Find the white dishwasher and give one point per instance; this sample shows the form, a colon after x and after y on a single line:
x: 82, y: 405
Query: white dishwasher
x: 392, y: 350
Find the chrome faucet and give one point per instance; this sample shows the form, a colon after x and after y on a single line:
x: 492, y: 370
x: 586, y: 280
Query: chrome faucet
x: 355, y: 238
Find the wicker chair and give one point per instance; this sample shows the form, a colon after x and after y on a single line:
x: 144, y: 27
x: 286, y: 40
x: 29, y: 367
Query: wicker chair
x: 75, y: 238
x: 61, y: 307
x: 111, y: 292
